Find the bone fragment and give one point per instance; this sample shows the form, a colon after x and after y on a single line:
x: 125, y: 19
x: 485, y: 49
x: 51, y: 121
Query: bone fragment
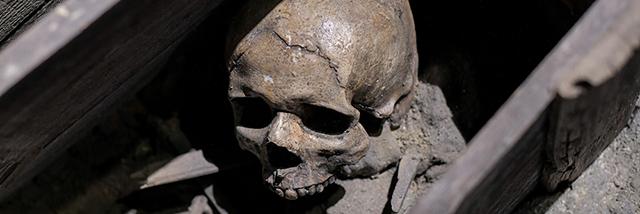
x: 406, y: 172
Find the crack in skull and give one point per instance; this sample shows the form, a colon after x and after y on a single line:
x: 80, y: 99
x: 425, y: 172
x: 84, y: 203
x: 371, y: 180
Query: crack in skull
x: 300, y: 117
x: 318, y: 51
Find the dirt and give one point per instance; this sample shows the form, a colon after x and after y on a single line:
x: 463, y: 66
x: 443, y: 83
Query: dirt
x: 428, y: 128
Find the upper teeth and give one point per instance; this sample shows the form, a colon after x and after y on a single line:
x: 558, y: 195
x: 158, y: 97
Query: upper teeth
x: 293, y: 194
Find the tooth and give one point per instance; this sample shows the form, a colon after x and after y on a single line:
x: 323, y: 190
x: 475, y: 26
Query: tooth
x: 279, y: 192
x: 311, y: 190
x: 302, y: 192
x: 325, y: 183
x: 291, y: 194
x: 319, y: 188
x: 332, y: 180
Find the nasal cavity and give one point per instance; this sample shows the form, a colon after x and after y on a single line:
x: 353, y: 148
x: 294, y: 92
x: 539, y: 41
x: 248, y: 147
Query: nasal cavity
x: 281, y: 158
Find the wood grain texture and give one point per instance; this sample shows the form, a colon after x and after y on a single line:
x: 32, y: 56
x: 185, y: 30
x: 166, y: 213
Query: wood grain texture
x: 584, y: 126
x: 595, y: 100
x: 29, y: 20
x: 74, y: 65
x: 14, y: 13
x: 505, y: 159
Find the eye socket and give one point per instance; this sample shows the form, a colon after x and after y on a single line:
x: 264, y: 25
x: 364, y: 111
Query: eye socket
x: 252, y: 112
x: 324, y: 120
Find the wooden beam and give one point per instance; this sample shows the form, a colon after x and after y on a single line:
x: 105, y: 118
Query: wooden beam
x: 75, y: 64
x: 596, y: 99
x: 505, y: 159
x: 28, y: 21
x: 14, y: 13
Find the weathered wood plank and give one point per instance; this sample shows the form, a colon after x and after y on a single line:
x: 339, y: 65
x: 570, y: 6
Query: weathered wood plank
x: 505, y: 159
x: 78, y: 62
x: 595, y: 101
x: 13, y: 13
x: 28, y: 21
x: 585, y: 125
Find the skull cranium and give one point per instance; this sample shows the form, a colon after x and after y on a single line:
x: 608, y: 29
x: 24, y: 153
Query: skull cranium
x: 306, y: 76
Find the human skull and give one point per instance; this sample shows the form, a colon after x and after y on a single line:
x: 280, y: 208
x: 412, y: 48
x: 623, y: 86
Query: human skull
x: 304, y: 79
